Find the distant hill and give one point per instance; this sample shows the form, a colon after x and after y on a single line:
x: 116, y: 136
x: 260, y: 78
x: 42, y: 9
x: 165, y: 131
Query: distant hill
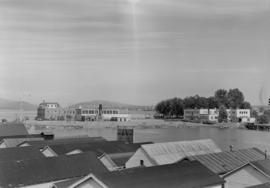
x: 6, y: 104
x: 110, y: 104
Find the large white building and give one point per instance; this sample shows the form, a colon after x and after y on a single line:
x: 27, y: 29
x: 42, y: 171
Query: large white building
x: 235, y: 115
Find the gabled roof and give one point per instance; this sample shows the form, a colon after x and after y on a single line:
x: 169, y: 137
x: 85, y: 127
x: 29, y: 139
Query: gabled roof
x: 223, y: 162
x: 265, y: 185
x: 178, y: 175
x: 120, y: 159
x: 100, y: 148
x: 19, y: 153
x: 12, y: 129
x: 13, y: 142
x: 170, y: 152
x: 263, y: 165
x: 43, y: 143
x: 42, y: 170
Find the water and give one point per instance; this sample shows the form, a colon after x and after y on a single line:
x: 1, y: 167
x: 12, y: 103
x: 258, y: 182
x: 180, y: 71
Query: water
x: 239, y: 138
x: 12, y: 115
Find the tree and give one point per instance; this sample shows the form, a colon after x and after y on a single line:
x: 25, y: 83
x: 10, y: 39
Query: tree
x: 263, y: 119
x: 235, y: 98
x: 222, y: 114
x: 245, y: 105
x: 171, y: 107
x: 221, y: 96
x: 212, y: 102
x: 254, y: 114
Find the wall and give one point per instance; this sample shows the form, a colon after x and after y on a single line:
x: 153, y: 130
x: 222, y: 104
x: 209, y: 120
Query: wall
x: 139, y: 155
x: 247, y: 176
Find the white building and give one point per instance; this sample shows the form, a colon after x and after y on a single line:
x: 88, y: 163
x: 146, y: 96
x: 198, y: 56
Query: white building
x: 170, y: 152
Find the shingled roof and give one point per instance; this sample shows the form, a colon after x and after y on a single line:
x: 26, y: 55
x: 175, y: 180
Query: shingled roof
x: 42, y: 170
x: 19, y: 153
x: 223, y: 162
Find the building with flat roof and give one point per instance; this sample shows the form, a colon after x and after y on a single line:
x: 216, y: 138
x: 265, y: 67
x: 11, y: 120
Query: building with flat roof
x: 49, y: 111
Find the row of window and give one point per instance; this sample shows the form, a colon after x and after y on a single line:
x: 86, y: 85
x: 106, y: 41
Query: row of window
x: 243, y: 112
x: 103, y: 111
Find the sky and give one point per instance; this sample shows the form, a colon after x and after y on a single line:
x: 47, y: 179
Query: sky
x: 133, y: 51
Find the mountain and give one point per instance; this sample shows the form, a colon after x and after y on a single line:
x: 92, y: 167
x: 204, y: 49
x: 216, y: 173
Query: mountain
x: 109, y: 104
x: 6, y: 104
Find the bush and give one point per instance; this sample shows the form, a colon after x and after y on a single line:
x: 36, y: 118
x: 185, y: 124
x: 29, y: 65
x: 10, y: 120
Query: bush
x: 263, y: 119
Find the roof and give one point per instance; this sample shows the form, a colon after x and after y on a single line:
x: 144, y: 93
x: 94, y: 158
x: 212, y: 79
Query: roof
x: 72, y: 140
x: 263, y: 165
x: 19, y: 153
x: 178, y: 175
x: 223, y: 162
x: 12, y: 129
x: 265, y: 185
x: 66, y: 183
x: 170, y: 152
x: 42, y: 135
x: 13, y: 142
x: 120, y: 159
x: 42, y: 170
x: 100, y: 148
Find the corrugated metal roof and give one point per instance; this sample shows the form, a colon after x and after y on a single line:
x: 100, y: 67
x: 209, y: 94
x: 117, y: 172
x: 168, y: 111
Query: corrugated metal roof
x: 170, y: 152
x: 227, y: 161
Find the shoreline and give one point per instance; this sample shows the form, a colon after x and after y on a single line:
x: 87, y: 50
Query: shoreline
x: 135, y: 124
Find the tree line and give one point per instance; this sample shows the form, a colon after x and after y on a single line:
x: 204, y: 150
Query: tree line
x: 174, y: 107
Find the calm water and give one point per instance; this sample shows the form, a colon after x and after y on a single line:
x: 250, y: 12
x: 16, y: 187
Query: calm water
x: 239, y: 138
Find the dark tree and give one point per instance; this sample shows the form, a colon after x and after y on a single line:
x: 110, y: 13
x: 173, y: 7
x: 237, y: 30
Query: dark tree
x: 263, y: 119
x: 245, y: 105
x: 222, y: 117
x: 254, y: 114
x: 235, y: 98
x: 221, y: 97
x: 212, y: 102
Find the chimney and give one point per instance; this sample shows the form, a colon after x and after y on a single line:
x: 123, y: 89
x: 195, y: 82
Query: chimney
x: 231, y: 147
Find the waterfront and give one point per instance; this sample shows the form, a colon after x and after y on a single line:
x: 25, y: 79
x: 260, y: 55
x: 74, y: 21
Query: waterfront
x: 239, y: 138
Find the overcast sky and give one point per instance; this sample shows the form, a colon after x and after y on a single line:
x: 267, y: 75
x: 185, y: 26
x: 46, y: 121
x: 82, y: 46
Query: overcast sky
x: 137, y: 52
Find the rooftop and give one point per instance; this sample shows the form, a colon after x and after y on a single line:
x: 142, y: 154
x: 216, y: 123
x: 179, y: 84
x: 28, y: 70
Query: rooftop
x: 19, y: 153
x: 100, y: 148
x: 42, y: 170
x: 265, y: 185
x: 179, y: 175
x: 170, y: 152
x: 13, y: 142
x: 223, y: 162
x: 72, y: 140
x: 263, y: 165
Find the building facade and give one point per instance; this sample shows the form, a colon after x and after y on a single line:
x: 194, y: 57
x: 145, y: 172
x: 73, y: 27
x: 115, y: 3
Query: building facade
x: 49, y: 111
x: 234, y: 115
